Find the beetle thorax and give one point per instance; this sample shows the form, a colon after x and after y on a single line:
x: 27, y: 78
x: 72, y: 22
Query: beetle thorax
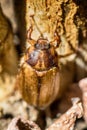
x: 41, y: 56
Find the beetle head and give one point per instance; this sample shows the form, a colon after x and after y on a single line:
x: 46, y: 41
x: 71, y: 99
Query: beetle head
x: 41, y: 55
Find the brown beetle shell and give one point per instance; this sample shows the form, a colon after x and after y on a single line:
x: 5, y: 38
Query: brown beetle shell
x: 38, y: 78
x: 41, y: 56
x: 37, y: 89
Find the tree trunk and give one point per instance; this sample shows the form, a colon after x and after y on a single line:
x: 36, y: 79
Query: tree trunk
x: 68, y: 19
x: 53, y: 15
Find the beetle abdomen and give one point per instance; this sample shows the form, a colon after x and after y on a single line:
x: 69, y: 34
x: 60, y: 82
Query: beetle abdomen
x: 39, y: 90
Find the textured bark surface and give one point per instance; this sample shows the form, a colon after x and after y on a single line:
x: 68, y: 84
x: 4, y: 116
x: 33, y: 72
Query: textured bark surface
x: 68, y: 19
x: 65, y: 122
x: 50, y: 16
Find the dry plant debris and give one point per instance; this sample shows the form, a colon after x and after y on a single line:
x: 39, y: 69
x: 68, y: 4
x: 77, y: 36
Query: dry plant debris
x: 8, y: 82
x: 65, y: 122
x: 83, y: 86
x: 19, y: 123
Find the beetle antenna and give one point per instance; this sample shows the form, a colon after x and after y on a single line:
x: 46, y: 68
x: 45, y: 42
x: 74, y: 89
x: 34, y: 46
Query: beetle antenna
x: 29, y: 31
x: 29, y: 39
x: 37, y: 26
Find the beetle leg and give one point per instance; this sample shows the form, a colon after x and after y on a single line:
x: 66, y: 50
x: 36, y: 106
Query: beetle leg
x: 29, y: 39
x: 56, y: 40
x: 29, y: 31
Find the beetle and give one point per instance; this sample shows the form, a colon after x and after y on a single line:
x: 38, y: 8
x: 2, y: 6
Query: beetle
x: 39, y: 77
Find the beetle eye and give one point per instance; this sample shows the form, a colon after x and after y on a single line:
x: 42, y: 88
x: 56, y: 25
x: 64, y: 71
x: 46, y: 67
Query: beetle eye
x: 42, y: 46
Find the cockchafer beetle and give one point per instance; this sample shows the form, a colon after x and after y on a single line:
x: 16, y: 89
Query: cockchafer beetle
x: 38, y: 78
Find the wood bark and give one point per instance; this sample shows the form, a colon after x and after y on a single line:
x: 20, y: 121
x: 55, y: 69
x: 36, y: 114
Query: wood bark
x: 48, y: 16
x: 68, y: 19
